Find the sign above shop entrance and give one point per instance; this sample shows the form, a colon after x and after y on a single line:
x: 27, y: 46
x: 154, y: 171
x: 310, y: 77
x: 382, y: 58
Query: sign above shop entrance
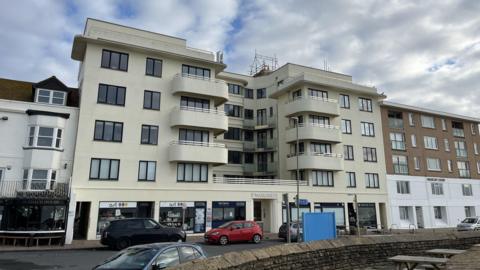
x: 118, y: 204
x: 264, y: 195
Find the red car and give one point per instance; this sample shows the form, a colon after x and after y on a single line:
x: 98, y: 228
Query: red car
x: 235, y: 231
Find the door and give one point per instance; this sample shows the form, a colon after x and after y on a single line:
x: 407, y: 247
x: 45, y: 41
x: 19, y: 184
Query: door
x: 82, y: 214
x: 419, y: 214
x: 236, y: 233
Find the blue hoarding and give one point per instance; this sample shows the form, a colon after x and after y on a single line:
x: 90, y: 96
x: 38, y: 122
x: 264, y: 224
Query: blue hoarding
x: 319, y: 226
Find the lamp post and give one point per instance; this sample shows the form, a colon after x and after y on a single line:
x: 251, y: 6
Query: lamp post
x: 295, y: 119
x: 357, y: 221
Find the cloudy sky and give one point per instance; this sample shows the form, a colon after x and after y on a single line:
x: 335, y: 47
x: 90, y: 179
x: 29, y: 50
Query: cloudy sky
x: 424, y: 53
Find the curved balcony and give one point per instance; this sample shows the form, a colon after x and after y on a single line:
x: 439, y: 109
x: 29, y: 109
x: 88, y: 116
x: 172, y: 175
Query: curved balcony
x: 211, y: 88
x: 313, y: 131
x: 312, y: 104
x: 316, y: 161
x: 197, y: 117
x: 201, y: 152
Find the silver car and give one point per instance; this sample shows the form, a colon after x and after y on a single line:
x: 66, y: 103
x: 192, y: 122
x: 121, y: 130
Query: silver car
x: 469, y: 224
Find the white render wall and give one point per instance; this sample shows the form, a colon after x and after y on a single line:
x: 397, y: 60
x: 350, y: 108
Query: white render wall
x: 421, y: 195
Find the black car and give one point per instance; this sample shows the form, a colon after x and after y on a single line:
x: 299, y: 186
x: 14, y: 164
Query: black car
x: 123, y: 233
x: 153, y: 257
x: 282, y: 232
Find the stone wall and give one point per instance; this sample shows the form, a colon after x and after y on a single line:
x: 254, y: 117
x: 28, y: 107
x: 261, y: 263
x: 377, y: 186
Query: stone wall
x: 343, y: 253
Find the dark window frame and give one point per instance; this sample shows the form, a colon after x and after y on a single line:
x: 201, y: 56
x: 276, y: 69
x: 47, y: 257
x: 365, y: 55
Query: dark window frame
x: 233, y: 133
x: 149, y: 131
x: 154, y: 60
x: 185, y: 168
x: 349, y: 129
x: 347, y: 148
x: 99, y: 168
x: 103, y: 131
x: 234, y: 89
x: 346, y: 101
x: 248, y: 93
x: 376, y: 180
x: 151, y: 93
x: 232, y: 157
x: 371, y: 127
x: 146, y: 179
x: 110, y: 60
x: 117, y: 89
x: 373, y: 153
x: 261, y: 93
x: 189, y: 67
x: 365, y: 104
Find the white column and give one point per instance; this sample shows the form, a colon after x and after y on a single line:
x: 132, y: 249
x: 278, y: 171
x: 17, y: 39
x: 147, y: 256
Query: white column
x: 93, y: 220
x: 276, y: 215
x: 347, y: 219
x: 156, y: 210
x: 70, y: 220
x: 249, y: 209
x: 414, y: 211
x: 377, y: 213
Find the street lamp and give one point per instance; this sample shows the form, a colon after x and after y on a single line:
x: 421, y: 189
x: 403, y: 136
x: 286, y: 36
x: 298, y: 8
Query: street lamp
x: 295, y: 119
x: 357, y: 221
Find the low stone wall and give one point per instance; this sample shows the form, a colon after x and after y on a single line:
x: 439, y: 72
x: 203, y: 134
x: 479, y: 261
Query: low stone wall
x: 344, y: 253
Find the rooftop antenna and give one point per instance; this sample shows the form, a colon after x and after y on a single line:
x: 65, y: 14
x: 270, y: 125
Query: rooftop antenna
x: 263, y: 63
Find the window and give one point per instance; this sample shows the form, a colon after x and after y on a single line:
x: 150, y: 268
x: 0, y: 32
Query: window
x: 302, y: 175
x: 397, y: 140
x: 447, y: 145
x: 437, y: 212
x: 104, y: 169
x: 470, y: 211
x: 233, y: 134
x: 403, y: 187
x: 467, y: 190
x: 39, y: 179
x: 463, y: 169
x: 444, y: 124
x: 371, y: 180
x: 400, y: 165
x: 248, y: 158
x: 261, y: 117
x: 320, y: 94
x: 108, y: 131
x: 460, y: 148
x: 475, y: 148
x: 248, y: 135
x: 190, y: 253
x: 233, y: 110
x: 449, y: 165
x: 51, y: 97
x: 427, y: 121
x: 348, y: 152
x: 44, y: 137
x: 346, y: 126
x: 248, y: 114
x: 457, y: 129
x: 413, y: 137
x: 433, y: 164
x: 192, y: 172
x: 395, y: 119
x: 154, y: 67
x: 203, y: 73
x: 416, y: 162
x: 322, y: 178
x: 410, y: 119
x: 151, y: 100
x: 167, y: 258
x: 147, y: 170
x: 111, y: 94
x: 297, y: 94
x: 437, y: 188
x: 472, y: 129
x: 248, y: 93
x: 234, y: 157
x: 261, y: 93
x: 403, y: 212
x: 193, y: 135
x: 351, y: 179
x: 149, y: 134
x: 114, y: 60
x: 367, y: 129
x: 369, y: 154
x: 430, y: 142
x: 319, y: 120
x: 234, y: 89
x: 322, y: 148
x: 344, y: 101
x: 191, y: 102
x: 271, y: 111
x: 365, y: 104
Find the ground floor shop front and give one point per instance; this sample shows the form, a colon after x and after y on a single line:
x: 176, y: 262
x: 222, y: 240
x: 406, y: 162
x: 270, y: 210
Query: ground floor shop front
x: 198, y: 211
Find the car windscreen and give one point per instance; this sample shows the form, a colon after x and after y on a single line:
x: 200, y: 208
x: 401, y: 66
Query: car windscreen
x: 225, y: 225
x: 130, y: 259
x: 470, y: 220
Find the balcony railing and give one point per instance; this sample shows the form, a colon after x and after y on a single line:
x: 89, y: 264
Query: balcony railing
x: 318, y: 125
x: 258, y: 181
x: 196, y: 77
x: 400, y: 168
x: 314, y: 98
x: 202, y: 110
x: 36, y: 190
x: 316, y: 154
x: 398, y: 145
x: 195, y: 143
x: 457, y: 132
x: 395, y: 123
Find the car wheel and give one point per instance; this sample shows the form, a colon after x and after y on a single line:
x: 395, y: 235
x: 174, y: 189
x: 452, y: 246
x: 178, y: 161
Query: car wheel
x: 257, y: 238
x: 223, y: 240
x: 176, y: 238
x: 122, y: 243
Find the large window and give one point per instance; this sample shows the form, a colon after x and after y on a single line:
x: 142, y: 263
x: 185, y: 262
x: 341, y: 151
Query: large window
x: 397, y: 140
x: 248, y: 135
x: 395, y: 119
x: 437, y: 212
x: 234, y: 89
x: 233, y: 110
x: 154, y: 67
x: 108, y: 131
x: 365, y: 104
x: 404, y: 212
x: 114, y: 60
x: 45, y: 137
x: 344, y: 101
x: 467, y: 190
x: 351, y: 179
x: 371, y: 180
x: 367, y: 129
x: 151, y: 100
x: 147, y: 170
x: 403, y: 187
x: 51, y: 97
x: 248, y: 114
x: 457, y: 129
x: 199, y: 103
x: 463, y: 169
x: 430, y: 142
x: 400, y: 165
x: 437, y: 188
x: 348, y: 152
x: 111, y: 94
x: 460, y: 148
x: 262, y: 117
x: 233, y: 134
x: 234, y: 157
x: 248, y: 93
x: 433, y: 164
x: 346, y: 126
x: 196, y: 71
x: 104, y: 169
x: 322, y: 178
x: 369, y: 154
x: 319, y: 120
x: 427, y: 121
x: 320, y: 94
x: 149, y: 134
x: 261, y: 93
x: 193, y: 135
x: 322, y: 148
x: 192, y: 172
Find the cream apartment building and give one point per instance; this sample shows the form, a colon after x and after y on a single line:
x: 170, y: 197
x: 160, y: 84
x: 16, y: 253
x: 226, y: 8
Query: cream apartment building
x: 165, y: 132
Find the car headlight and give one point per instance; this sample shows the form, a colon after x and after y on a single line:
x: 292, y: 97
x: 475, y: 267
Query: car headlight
x: 215, y: 233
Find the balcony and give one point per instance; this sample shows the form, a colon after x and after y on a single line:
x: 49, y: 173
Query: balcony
x: 312, y: 104
x: 269, y: 168
x: 315, y: 161
x: 312, y: 131
x: 201, y: 152
x: 198, y: 117
x: 259, y: 181
x: 197, y: 85
x: 458, y: 132
x: 267, y: 145
x: 36, y: 190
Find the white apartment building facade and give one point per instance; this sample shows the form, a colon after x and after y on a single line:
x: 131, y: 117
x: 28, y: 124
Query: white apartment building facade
x: 165, y: 132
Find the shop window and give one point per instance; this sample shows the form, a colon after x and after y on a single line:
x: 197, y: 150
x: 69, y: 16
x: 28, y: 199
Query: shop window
x: 223, y: 212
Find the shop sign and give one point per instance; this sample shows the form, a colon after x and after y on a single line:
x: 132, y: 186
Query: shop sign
x: 118, y: 204
x: 264, y: 195
x: 436, y: 179
x: 177, y: 204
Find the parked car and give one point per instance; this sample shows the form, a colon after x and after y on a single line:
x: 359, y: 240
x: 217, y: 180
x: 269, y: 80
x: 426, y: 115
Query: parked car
x: 235, y: 231
x: 469, y: 224
x: 153, y: 256
x: 282, y: 232
x: 123, y: 233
